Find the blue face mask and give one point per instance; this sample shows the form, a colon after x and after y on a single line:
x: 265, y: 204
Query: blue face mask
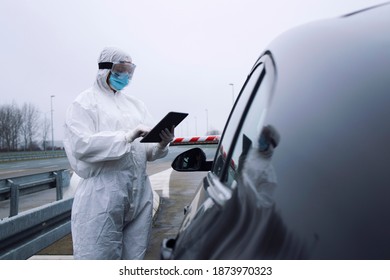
x: 263, y: 143
x: 119, y: 80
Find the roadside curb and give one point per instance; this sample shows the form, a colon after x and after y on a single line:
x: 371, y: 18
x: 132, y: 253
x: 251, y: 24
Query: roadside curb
x: 156, y: 204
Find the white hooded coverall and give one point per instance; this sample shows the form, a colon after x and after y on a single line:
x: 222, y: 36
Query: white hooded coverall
x: 112, y: 208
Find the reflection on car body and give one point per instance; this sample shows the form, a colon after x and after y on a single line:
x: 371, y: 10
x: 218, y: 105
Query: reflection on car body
x: 301, y: 168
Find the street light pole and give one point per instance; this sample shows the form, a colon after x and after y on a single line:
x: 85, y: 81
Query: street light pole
x: 232, y: 91
x: 207, y: 121
x: 52, y: 127
x: 196, y: 127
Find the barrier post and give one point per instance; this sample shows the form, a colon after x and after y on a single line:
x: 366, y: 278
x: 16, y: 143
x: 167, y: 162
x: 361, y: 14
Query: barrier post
x: 14, y: 199
x: 59, y: 192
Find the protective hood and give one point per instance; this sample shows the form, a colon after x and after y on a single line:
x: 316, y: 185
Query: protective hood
x: 109, y: 54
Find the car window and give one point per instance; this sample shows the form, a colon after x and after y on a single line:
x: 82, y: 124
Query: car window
x: 246, y: 122
x: 235, y: 118
x: 250, y: 131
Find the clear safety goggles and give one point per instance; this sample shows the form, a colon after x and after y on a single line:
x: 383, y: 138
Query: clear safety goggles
x: 118, y: 67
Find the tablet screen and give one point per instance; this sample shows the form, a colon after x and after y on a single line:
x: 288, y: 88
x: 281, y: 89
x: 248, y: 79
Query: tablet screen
x: 172, y: 118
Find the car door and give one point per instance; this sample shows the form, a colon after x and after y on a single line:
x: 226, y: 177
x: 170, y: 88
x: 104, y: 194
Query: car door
x: 211, y: 219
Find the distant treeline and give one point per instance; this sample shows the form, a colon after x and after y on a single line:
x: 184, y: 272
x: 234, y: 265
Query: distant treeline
x: 23, y: 128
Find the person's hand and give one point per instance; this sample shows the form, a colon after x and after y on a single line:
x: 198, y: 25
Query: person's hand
x: 167, y: 136
x: 140, y: 131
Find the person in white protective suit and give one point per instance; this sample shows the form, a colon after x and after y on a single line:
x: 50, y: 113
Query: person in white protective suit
x: 112, y: 208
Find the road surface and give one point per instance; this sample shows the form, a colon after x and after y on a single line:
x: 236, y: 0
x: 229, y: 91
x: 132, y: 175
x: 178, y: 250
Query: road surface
x: 175, y: 190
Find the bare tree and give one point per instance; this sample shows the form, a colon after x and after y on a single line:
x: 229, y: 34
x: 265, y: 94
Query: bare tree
x: 3, y: 128
x: 10, y: 122
x: 16, y: 122
x: 45, y: 128
x: 30, y: 124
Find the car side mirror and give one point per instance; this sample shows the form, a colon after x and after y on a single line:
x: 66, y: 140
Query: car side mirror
x: 192, y: 160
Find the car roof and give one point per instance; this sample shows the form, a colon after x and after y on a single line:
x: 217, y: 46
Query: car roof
x: 330, y: 105
x: 339, y: 65
x: 356, y: 39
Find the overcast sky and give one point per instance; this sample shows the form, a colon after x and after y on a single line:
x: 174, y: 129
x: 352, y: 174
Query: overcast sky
x: 187, y: 52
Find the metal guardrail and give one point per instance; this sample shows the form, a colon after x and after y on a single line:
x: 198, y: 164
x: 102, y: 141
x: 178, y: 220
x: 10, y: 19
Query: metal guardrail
x: 25, y: 234
x: 12, y: 188
x: 14, y: 156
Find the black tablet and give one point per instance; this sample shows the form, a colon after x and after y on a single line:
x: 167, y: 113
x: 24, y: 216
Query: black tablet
x: 172, y: 118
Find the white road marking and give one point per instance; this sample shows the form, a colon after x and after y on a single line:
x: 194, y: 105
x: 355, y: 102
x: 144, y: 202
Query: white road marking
x: 19, y: 165
x: 51, y: 166
x: 13, y: 171
x: 160, y: 181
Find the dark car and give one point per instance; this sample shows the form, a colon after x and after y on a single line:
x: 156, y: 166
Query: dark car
x: 302, y: 170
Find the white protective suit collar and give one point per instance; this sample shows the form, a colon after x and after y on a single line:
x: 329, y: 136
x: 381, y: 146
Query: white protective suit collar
x: 109, y: 54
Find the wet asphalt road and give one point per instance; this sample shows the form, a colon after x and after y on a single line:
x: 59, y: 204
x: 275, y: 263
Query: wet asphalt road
x: 171, y: 211
x: 175, y: 190
x: 27, y: 167
x: 181, y: 187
